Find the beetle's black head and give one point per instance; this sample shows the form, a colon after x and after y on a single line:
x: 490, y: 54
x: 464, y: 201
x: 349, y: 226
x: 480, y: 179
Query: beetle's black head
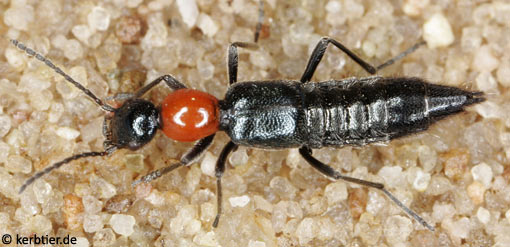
x: 133, y: 124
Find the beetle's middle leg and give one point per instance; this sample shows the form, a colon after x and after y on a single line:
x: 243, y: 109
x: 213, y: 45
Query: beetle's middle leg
x: 306, y: 152
x: 233, y: 59
x: 320, y: 49
x: 220, y: 169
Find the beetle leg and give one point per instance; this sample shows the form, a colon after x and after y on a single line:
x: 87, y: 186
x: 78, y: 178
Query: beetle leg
x: 233, y: 56
x: 320, y: 49
x: 186, y: 160
x: 120, y: 97
x: 170, y: 81
x: 233, y: 59
x: 306, y: 152
x: 401, y: 55
x: 259, y: 21
x: 220, y: 169
x: 106, y: 130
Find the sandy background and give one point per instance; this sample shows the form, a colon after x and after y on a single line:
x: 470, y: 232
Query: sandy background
x: 456, y: 175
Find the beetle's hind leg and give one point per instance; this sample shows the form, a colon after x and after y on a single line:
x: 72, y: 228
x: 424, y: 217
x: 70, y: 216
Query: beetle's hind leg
x: 320, y: 49
x: 401, y: 55
x: 306, y: 152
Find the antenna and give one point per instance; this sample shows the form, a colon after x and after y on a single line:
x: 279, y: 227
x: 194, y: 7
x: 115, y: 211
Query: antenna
x: 58, y: 70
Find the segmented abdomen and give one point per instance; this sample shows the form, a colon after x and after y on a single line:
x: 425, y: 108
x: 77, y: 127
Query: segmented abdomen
x: 373, y: 109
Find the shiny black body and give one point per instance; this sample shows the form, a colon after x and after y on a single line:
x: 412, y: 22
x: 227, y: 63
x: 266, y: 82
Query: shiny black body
x: 355, y: 111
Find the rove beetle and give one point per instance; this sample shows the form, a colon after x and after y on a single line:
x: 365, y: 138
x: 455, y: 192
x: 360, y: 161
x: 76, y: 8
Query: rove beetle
x: 277, y: 114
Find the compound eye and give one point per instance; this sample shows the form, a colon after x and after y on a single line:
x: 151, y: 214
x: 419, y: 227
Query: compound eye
x: 189, y: 115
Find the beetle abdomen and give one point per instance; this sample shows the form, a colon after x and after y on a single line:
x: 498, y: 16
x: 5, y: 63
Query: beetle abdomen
x: 360, y: 111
